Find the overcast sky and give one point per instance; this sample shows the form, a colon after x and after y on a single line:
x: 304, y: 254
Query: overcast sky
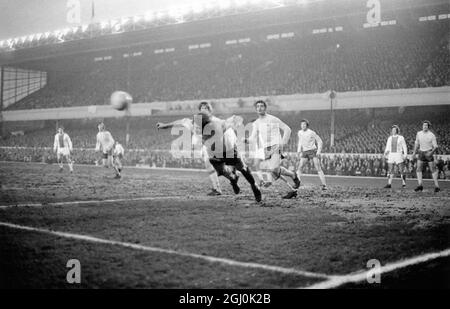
x: 24, y: 17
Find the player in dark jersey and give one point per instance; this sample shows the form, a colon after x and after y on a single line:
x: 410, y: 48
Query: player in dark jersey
x: 222, y: 151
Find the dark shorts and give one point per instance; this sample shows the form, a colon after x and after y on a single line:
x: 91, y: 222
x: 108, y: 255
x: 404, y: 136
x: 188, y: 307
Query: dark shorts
x: 119, y: 156
x: 425, y: 157
x: 220, y: 163
x: 107, y: 154
x: 309, y: 154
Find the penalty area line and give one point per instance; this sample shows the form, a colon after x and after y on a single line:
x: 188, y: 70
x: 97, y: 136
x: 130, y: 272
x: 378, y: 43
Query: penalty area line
x: 211, y: 259
x: 336, y: 281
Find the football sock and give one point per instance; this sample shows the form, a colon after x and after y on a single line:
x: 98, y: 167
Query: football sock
x: 322, y: 177
x: 248, y: 175
x: 215, y: 181
x: 299, y: 173
x: 435, y: 178
x: 419, y: 178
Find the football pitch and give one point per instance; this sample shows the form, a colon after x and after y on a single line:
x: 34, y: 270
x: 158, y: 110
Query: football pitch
x: 158, y: 229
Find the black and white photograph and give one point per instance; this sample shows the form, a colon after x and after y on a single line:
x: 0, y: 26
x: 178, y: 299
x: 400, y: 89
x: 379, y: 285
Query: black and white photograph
x: 225, y: 151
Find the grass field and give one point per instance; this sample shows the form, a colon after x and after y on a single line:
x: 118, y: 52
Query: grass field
x: 158, y: 229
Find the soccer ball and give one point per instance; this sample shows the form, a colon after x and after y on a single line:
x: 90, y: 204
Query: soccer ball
x: 121, y: 100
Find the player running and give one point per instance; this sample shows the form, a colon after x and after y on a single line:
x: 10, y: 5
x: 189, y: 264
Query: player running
x: 221, y: 146
x: 396, y: 151
x: 204, y: 108
x: 62, y: 146
x: 269, y: 143
x: 425, y: 146
x: 105, y: 144
x: 309, y: 148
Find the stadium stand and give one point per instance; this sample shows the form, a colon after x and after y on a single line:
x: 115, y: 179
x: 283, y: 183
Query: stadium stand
x: 390, y: 58
x: 357, y: 131
x: 360, y: 135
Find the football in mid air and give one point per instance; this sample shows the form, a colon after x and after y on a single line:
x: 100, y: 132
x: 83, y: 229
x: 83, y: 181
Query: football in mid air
x: 121, y: 100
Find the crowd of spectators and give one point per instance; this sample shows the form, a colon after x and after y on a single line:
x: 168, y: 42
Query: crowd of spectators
x: 356, y: 131
x: 385, y: 58
x: 437, y: 73
x: 365, y: 165
x: 348, y: 164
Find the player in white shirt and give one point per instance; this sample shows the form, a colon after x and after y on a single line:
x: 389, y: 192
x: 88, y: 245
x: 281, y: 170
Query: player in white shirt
x: 396, y: 151
x: 62, y: 146
x: 269, y: 144
x: 206, y: 108
x: 310, y: 147
x: 105, y: 144
x: 425, y: 146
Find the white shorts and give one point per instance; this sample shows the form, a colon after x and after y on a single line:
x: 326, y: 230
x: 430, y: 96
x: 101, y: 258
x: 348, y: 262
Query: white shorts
x: 395, y: 158
x: 63, y: 152
x: 270, y: 157
x: 259, y: 154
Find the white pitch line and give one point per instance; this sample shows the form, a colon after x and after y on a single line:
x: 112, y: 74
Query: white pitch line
x: 211, y: 259
x: 336, y: 281
x: 120, y: 200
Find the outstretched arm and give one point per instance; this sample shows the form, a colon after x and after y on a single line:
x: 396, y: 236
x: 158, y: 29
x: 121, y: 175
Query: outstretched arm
x: 185, y: 123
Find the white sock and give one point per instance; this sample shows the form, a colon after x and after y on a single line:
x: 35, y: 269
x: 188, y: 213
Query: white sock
x: 299, y: 175
x: 391, y: 176
x: 435, y: 179
x: 322, y: 177
x: 419, y: 178
x: 215, y: 181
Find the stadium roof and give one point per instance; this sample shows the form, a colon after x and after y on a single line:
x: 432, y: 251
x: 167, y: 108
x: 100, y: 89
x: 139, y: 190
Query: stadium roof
x: 228, y: 17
